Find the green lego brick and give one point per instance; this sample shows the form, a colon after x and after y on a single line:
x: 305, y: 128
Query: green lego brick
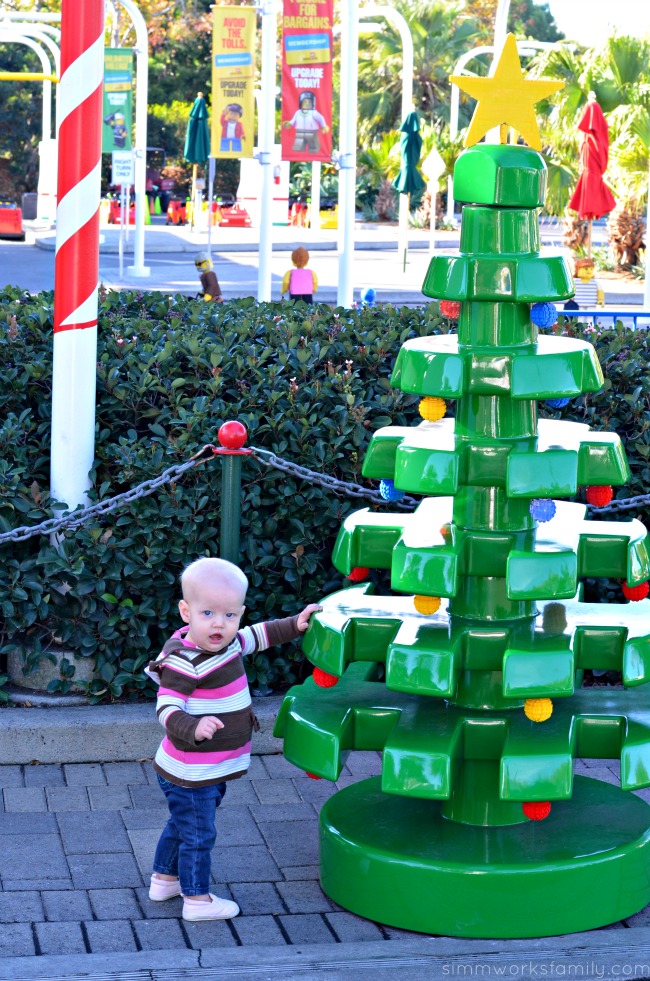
x: 427, y: 461
x: 489, y: 231
x: 561, y: 366
x: 526, y: 279
x: 546, y: 671
x: 367, y: 539
x: 425, y: 658
x: 430, y: 567
x: 379, y: 461
x: 635, y: 753
x: 505, y: 175
x: 421, y: 755
x: 614, y: 548
x: 538, y: 767
x: 430, y: 366
x: 551, y: 473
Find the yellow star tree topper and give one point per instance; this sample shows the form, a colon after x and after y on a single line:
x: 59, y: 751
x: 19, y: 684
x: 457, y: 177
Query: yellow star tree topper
x: 506, y: 98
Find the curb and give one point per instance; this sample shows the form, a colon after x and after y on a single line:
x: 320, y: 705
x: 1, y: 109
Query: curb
x: 120, y: 733
x: 595, y: 954
x: 176, y: 245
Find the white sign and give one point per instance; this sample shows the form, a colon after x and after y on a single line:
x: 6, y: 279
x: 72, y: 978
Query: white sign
x: 123, y: 167
x: 433, y: 166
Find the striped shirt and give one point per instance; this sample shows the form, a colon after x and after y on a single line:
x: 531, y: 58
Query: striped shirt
x: 194, y: 683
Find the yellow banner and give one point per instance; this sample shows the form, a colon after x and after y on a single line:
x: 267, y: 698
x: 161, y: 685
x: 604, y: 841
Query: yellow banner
x: 233, y: 70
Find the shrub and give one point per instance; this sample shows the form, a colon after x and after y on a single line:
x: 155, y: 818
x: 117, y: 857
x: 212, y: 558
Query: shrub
x: 310, y: 385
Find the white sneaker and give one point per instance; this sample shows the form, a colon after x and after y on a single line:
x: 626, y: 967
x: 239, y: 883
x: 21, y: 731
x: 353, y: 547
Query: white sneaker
x: 162, y: 889
x: 212, y: 909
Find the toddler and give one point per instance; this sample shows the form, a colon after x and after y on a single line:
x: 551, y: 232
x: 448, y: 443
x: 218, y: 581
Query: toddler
x: 205, y: 708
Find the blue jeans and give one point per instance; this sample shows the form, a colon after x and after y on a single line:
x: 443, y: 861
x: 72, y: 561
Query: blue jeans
x: 188, y: 837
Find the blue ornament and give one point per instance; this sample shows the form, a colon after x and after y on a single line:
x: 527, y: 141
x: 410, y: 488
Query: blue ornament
x: 542, y: 509
x: 543, y: 314
x: 368, y: 296
x: 389, y: 491
x: 557, y: 403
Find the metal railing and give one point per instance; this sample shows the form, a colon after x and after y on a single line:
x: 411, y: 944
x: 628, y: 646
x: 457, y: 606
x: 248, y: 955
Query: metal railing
x: 597, y: 316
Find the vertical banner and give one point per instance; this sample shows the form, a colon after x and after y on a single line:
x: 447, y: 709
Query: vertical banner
x: 233, y: 81
x: 307, y: 80
x: 117, y: 111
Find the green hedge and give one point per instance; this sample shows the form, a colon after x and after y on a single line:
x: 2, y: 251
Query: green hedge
x: 311, y: 386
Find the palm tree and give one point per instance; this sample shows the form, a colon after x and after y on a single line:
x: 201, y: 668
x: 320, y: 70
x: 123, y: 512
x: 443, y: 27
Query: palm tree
x: 441, y: 34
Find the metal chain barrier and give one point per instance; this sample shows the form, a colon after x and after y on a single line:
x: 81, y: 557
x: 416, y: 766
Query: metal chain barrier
x: 267, y: 458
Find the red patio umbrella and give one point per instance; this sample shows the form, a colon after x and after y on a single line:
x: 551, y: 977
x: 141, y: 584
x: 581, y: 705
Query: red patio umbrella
x: 592, y: 198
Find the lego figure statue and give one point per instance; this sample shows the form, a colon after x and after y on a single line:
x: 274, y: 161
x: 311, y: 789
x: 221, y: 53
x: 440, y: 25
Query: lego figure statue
x: 300, y: 283
x: 232, y: 131
x: 588, y: 291
x: 210, y: 289
x: 117, y: 122
x: 308, y: 123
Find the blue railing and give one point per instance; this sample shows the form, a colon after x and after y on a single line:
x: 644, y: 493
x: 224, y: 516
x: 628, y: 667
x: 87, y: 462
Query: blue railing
x: 598, y: 316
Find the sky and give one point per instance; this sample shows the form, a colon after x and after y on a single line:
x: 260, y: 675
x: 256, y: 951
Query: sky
x: 590, y: 21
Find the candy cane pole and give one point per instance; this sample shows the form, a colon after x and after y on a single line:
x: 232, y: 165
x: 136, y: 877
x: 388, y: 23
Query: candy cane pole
x: 76, y: 269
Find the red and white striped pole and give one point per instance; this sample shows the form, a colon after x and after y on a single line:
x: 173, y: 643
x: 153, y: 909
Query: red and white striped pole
x: 76, y: 269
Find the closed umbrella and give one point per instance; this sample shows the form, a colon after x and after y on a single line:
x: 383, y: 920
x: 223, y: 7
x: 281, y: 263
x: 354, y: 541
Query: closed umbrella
x: 197, y: 141
x: 408, y: 181
x: 592, y: 198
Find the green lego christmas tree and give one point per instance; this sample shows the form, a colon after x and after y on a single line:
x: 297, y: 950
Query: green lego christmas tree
x: 470, y: 682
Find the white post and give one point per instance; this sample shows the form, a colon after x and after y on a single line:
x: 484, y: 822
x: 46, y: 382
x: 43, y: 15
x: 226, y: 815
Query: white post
x: 12, y: 36
x: 315, y: 196
x: 265, y: 142
x: 211, y: 170
x: 141, y: 97
x: 646, y: 287
x: 348, y: 149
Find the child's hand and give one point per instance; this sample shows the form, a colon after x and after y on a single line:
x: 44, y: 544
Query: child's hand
x: 207, y: 727
x: 303, y: 618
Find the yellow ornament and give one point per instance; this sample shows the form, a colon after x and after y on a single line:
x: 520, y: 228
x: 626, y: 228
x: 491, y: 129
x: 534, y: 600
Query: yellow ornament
x: 432, y: 408
x: 428, y: 605
x: 506, y: 98
x: 538, y: 709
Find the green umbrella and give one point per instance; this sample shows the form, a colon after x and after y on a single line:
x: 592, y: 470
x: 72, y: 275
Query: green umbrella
x: 409, y: 181
x: 197, y: 142
x: 197, y: 139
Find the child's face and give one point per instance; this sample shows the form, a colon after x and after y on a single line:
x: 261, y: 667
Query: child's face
x: 213, y: 610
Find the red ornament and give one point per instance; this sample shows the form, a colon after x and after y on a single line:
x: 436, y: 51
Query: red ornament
x: 536, y: 810
x: 599, y: 495
x: 359, y: 573
x: 312, y: 776
x: 232, y: 435
x: 635, y: 593
x: 323, y: 679
x: 450, y: 308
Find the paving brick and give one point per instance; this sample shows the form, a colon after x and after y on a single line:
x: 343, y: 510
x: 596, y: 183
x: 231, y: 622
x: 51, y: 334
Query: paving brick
x: 104, y: 871
x: 160, y: 934
x: 24, y: 799
x: 282, y: 812
x: 44, y: 775
x: 305, y: 897
x: 115, y: 904
x: 257, y: 930
x: 395, y: 933
x: 301, y: 872
x: 17, y: 940
x: 109, y: 798
x: 143, y: 842
x: 11, y: 776
x: 125, y: 773
x: 256, y: 770
x: 207, y: 933
x: 67, y: 799
x: 84, y: 774
x: 278, y: 791
x: 248, y: 863
x: 110, y: 935
x: 292, y: 843
x: 52, y: 939
x: 240, y: 792
x: 146, y: 818
x: 64, y: 905
x: 90, y: 832
x: 278, y: 766
x: 640, y: 919
x: 364, y: 764
x: 257, y: 898
x: 32, y: 857
x: 314, y: 791
x: 36, y: 882
x: 151, y: 775
x: 15, y: 823
x: 169, y: 910
x: 145, y: 796
x: 349, y: 928
x: 20, y: 907
x: 603, y: 773
x: 310, y: 928
x: 235, y: 826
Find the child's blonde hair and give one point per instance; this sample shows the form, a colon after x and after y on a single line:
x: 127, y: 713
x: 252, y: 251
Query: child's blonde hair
x: 215, y: 569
